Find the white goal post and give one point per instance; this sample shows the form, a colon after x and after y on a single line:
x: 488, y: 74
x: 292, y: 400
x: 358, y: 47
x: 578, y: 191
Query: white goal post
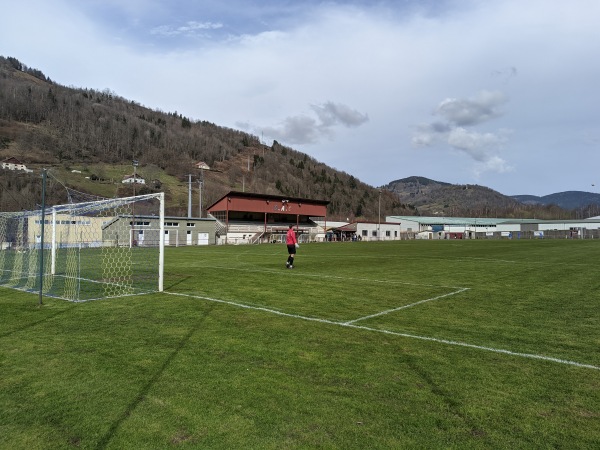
x: 91, y: 250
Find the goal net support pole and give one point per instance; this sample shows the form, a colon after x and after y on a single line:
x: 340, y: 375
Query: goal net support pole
x: 161, y: 239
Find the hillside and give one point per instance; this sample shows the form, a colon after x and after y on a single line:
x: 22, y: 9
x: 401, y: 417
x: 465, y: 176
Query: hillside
x: 87, y: 139
x: 566, y: 200
x: 431, y: 198
x: 99, y: 134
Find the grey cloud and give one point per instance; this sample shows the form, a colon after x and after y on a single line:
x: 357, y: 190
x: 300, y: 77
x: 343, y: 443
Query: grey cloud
x: 295, y: 130
x: 465, y: 112
x: 459, y: 113
x: 333, y: 113
x: 308, y: 130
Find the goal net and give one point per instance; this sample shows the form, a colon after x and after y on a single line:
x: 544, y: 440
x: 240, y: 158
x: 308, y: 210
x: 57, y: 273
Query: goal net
x: 85, y: 251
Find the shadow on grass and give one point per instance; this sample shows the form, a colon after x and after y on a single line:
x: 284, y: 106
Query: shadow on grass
x: 36, y: 323
x: 447, y: 399
x: 146, y: 388
x: 175, y: 283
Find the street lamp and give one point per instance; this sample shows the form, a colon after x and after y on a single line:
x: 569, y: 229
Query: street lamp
x: 200, y: 185
x: 379, y: 223
x: 135, y: 164
x: 133, y: 240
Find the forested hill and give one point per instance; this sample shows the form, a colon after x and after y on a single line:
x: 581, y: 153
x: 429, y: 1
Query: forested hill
x: 98, y: 133
x: 433, y: 198
x: 87, y: 139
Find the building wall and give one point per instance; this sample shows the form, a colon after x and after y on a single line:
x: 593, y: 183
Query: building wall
x: 405, y: 224
x: 185, y: 231
x: 178, y: 231
x: 67, y: 229
x: 378, y: 232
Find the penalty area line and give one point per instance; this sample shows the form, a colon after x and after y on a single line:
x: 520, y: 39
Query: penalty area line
x: 388, y: 311
x: 395, y: 333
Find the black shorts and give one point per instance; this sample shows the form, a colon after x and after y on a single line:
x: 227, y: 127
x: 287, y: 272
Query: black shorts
x: 291, y: 249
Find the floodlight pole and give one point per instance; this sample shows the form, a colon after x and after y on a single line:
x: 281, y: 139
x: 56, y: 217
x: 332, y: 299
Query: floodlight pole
x: 200, y: 183
x: 379, y: 223
x: 132, y: 237
x: 43, y: 214
x: 190, y: 196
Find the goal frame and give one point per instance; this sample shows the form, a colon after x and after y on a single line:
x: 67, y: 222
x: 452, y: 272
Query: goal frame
x: 25, y: 237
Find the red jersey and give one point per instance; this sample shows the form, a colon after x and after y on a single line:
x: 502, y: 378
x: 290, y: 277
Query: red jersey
x: 290, y: 238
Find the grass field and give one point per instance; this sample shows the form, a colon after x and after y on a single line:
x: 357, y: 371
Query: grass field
x: 411, y: 344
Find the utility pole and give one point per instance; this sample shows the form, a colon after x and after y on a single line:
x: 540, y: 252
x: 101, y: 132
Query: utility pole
x: 190, y: 196
x: 379, y: 223
x: 132, y: 240
x: 200, y: 199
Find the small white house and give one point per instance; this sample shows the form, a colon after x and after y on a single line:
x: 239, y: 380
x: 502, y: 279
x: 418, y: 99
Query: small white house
x: 378, y: 231
x: 14, y: 164
x: 202, y: 165
x: 130, y: 179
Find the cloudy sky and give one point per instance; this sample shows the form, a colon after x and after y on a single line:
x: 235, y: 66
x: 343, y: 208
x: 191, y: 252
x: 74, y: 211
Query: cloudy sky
x: 501, y: 93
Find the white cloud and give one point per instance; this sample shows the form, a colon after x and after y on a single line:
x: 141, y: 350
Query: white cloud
x: 463, y: 112
x: 190, y: 28
x: 475, y: 144
x: 276, y: 67
x: 481, y: 147
x: 493, y: 164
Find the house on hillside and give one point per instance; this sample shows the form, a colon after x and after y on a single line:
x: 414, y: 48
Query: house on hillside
x: 202, y: 165
x: 13, y: 163
x: 131, y: 179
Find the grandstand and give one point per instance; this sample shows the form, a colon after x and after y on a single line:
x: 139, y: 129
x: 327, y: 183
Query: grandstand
x: 250, y: 218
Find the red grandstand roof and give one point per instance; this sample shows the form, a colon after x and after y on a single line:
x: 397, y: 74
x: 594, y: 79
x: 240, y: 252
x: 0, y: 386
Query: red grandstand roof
x: 249, y: 201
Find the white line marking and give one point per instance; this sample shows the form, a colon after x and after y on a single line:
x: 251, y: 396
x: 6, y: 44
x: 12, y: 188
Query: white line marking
x: 387, y: 311
x: 394, y: 333
x: 334, y: 277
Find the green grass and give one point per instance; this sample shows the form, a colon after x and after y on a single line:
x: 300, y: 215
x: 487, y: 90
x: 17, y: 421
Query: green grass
x: 447, y: 344
x: 112, y: 175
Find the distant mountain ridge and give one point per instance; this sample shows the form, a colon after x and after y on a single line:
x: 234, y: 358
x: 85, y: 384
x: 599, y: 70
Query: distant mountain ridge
x: 432, y: 197
x: 566, y: 200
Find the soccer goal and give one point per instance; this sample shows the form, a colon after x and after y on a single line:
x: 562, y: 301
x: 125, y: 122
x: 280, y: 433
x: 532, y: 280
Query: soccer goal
x: 85, y: 251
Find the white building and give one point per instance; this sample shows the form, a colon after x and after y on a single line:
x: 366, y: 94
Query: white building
x: 130, y: 179
x: 364, y: 231
x: 473, y: 227
x: 202, y: 165
x: 14, y: 164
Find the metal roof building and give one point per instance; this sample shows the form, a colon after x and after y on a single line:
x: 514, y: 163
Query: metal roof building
x: 471, y: 227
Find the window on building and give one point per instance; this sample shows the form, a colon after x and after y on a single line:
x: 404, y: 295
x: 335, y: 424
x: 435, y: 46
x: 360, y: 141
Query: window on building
x: 365, y: 233
x: 388, y: 233
x: 374, y: 233
x: 190, y: 225
x: 141, y: 224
